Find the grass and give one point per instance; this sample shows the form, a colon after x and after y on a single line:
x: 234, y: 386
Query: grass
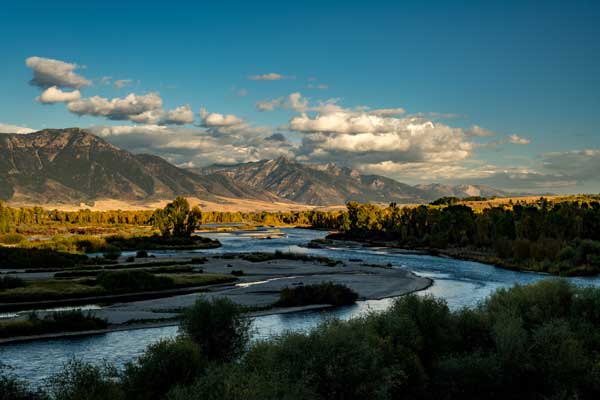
x: 23, y: 258
x: 9, y: 282
x: 323, y: 293
x: 106, y: 284
x: 279, y: 255
x: 64, y: 321
x: 132, y: 281
x: 51, y: 289
x: 173, y: 269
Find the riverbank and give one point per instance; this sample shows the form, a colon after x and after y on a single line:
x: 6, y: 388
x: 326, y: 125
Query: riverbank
x: 260, y: 279
x: 338, y: 240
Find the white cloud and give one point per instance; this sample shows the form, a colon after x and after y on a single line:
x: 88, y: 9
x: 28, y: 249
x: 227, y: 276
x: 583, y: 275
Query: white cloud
x: 7, y: 128
x: 180, y: 115
x: 294, y: 101
x: 218, y: 120
x: 121, y: 83
x: 242, y: 92
x: 379, y: 137
x: 196, y: 146
x: 516, y: 139
x: 48, y: 72
x: 271, y: 76
x: 128, y: 108
x: 387, y: 112
x: 320, y: 86
x: 478, y: 131
x: 54, y: 95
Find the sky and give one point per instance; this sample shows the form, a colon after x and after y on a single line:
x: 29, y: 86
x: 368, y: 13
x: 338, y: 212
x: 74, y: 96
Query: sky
x: 504, y: 93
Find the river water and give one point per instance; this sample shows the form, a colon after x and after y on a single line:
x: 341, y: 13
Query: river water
x: 460, y: 283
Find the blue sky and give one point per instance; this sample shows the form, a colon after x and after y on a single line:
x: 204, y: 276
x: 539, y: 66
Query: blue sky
x: 504, y: 93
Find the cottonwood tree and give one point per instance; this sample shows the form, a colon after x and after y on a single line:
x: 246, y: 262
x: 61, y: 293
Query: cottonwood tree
x: 177, y: 219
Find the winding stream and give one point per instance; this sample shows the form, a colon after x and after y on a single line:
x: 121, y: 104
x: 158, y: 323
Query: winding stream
x: 460, y: 283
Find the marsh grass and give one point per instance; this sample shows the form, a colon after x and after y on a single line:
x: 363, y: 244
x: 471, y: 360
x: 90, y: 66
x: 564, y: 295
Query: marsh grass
x: 64, y: 321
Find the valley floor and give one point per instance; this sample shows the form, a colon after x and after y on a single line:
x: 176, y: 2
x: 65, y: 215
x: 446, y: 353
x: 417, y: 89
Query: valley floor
x: 257, y: 289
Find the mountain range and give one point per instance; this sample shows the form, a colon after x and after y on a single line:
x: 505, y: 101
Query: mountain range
x: 72, y: 165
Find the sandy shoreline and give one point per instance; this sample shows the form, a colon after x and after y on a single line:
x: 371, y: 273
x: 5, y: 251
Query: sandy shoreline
x: 259, y: 287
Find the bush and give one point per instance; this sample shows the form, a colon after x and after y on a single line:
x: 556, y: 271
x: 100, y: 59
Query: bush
x: 61, y: 321
x: 12, y: 389
x: 132, y: 281
x: 12, y: 238
x: 10, y: 282
x: 112, y: 253
x: 141, y: 254
x: 26, y: 258
x: 162, y: 366
x: 82, y: 381
x: 323, y: 293
x: 237, y: 272
x: 218, y: 327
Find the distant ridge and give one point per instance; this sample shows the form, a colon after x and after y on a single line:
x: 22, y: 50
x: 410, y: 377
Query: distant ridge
x: 72, y: 166
x: 330, y: 184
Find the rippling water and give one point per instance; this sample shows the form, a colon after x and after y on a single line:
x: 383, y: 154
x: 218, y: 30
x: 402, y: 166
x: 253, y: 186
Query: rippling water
x: 460, y: 283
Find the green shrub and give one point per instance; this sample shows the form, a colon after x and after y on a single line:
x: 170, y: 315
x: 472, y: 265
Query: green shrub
x: 162, y: 366
x: 12, y: 238
x: 10, y: 282
x: 112, y: 253
x: 13, y: 389
x: 33, y: 258
x: 132, y: 281
x: 61, y: 321
x: 218, y: 327
x: 83, y: 381
x: 237, y: 272
x: 323, y: 293
x: 141, y: 254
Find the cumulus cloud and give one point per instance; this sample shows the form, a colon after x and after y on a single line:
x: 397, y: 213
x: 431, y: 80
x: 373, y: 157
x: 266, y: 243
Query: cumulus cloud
x: 276, y: 137
x: 54, y: 95
x: 294, y: 101
x: 49, y: 72
x: 271, y: 76
x: 478, y: 131
x: 387, y: 112
x: 121, y: 83
x: 516, y: 139
x: 218, y: 120
x: 126, y: 108
x: 180, y: 115
x: 579, y: 164
x: 192, y: 146
x: 7, y: 128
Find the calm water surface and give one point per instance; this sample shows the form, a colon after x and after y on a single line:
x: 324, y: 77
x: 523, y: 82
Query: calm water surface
x: 460, y: 283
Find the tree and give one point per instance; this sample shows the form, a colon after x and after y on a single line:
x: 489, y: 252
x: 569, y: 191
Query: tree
x: 217, y: 327
x: 176, y: 219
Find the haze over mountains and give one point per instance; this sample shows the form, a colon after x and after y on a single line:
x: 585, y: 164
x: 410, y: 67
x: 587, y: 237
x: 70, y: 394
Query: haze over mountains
x: 72, y: 166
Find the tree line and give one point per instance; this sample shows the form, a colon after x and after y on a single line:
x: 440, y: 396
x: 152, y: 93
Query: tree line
x: 559, y: 238
x: 13, y: 219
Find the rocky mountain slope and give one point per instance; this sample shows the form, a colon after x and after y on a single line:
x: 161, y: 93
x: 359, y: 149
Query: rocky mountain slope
x: 72, y: 165
x: 330, y: 184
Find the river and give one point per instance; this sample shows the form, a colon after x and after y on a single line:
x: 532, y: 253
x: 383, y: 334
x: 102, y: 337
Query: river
x: 460, y: 283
